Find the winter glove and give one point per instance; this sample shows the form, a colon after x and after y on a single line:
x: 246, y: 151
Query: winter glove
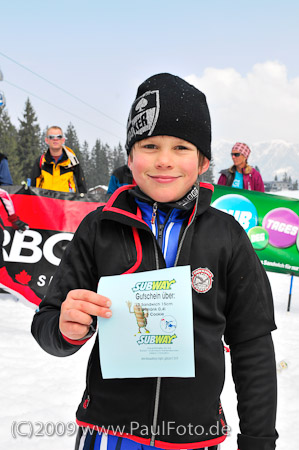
x: 17, y: 224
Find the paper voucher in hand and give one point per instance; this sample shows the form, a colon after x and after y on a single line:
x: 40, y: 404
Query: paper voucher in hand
x: 150, y: 333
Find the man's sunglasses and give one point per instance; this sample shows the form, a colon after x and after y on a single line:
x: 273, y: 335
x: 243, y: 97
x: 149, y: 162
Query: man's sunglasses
x: 236, y: 155
x: 55, y: 136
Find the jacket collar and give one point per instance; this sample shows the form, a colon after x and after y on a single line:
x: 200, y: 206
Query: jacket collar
x: 49, y: 157
x: 246, y: 170
x: 122, y: 204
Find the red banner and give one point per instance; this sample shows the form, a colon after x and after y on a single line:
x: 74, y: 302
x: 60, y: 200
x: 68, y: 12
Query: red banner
x: 32, y: 257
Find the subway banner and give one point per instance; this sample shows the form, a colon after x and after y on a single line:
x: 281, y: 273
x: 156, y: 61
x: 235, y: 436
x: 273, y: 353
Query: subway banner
x: 271, y: 222
x: 31, y: 257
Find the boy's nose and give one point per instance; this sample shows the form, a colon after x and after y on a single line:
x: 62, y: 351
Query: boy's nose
x: 164, y: 159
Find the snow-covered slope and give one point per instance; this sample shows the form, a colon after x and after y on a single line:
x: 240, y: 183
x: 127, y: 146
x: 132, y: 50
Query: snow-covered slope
x: 43, y: 389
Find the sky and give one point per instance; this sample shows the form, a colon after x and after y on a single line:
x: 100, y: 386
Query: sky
x: 94, y: 54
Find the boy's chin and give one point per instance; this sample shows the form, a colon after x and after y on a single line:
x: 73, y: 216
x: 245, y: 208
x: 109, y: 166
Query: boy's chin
x: 165, y: 198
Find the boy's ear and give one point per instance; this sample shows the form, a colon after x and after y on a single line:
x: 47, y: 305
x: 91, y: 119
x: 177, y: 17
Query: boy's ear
x: 204, y: 167
x: 129, y: 161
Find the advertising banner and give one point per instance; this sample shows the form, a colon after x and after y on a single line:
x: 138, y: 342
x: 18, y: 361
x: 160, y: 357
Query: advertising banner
x: 32, y: 257
x: 271, y: 222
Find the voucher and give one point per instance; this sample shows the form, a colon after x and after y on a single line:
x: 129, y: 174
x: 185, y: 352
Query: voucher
x: 150, y: 333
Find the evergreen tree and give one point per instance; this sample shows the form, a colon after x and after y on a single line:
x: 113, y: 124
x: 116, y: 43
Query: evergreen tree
x: 99, y: 165
x: 109, y: 155
x: 119, y: 157
x: 8, y: 145
x: 43, y: 145
x: 275, y: 178
x: 208, y: 176
x: 72, y: 141
x: 86, y: 163
x: 106, y: 156
x: 28, y: 147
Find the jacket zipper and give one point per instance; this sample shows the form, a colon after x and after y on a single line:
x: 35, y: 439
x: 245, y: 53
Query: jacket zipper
x: 154, y: 214
x: 156, y: 409
x: 127, y: 250
x: 184, y: 235
x: 159, y: 379
x: 158, y: 384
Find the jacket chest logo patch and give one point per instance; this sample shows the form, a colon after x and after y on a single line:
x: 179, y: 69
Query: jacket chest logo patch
x: 202, y: 280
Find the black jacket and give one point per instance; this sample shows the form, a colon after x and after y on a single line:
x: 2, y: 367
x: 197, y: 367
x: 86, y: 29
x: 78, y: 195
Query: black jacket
x: 237, y: 305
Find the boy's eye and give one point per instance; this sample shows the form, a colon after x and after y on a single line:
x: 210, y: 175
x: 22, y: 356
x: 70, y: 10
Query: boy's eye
x: 150, y: 146
x: 181, y: 147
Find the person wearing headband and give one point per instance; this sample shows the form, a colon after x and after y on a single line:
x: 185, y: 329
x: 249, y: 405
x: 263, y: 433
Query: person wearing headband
x: 241, y: 175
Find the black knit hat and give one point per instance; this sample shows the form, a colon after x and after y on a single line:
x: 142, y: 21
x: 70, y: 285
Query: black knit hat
x: 167, y: 105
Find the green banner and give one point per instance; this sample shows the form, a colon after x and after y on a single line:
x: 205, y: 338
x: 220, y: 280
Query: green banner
x: 271, y: 222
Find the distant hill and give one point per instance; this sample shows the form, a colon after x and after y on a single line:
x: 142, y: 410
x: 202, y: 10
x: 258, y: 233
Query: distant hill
x: 272, y: 158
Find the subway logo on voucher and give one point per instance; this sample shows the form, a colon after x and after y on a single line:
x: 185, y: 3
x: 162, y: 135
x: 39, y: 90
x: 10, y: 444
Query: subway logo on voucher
x: 153, y: 285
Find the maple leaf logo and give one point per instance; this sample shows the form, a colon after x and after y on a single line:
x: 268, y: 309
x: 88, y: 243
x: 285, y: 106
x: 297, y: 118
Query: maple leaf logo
x: 23, y: 277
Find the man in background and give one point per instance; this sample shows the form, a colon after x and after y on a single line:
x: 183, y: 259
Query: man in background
x: 58, y: 169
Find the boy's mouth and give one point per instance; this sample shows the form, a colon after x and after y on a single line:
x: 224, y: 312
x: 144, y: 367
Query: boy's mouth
x: 163, y: 178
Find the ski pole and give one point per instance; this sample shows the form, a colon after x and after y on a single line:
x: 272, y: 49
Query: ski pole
x: 290, y: 293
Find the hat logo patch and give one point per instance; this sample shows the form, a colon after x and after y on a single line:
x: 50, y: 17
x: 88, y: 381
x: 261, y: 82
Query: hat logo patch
x: 202, y: 280
x: 144, y: 115
x: 141, y: 105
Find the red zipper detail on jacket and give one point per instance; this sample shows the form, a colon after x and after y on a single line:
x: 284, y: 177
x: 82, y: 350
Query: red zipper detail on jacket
x: 138, y: 250
x: 115, y: 194
x: 207, y: 186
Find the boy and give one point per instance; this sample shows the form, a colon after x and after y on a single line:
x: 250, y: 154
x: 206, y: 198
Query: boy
x: 166, y: 221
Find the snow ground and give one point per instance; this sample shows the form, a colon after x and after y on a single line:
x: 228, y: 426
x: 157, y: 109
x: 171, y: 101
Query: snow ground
x: 40, y: 388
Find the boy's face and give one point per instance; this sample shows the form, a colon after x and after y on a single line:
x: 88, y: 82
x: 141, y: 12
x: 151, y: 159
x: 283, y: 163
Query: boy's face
x: 165, y: 167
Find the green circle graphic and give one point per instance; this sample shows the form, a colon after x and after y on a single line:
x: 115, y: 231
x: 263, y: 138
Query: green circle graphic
x: 259, y: 237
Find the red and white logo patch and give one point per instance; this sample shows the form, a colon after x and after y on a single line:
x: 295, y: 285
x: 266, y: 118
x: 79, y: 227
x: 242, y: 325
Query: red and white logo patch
x: 202, y: 279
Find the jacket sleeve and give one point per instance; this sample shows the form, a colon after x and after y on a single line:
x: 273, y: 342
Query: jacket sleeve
x: 7, y: 202
x: 113, y: 185
x: 35, y: 173
x: 250, y: 320
x: 254, y: 374
x: 76, y: 271
x: 80, y: 179
x: 222, y: 180
x: 259, y: 183
x: 5, y: 177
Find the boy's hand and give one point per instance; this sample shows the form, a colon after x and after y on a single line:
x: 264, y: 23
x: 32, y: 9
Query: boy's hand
x: 77, y: 311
